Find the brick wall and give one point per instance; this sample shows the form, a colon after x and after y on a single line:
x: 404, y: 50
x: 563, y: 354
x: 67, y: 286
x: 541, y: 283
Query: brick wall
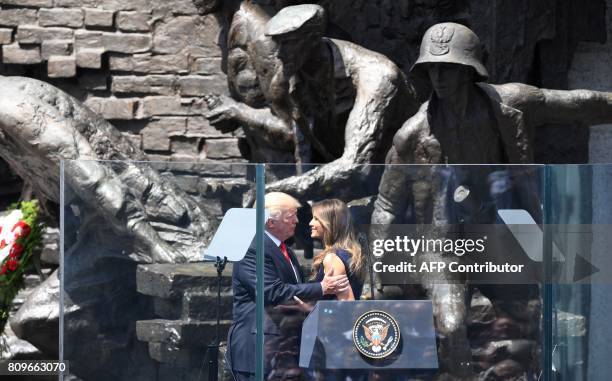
x: 141, y: 64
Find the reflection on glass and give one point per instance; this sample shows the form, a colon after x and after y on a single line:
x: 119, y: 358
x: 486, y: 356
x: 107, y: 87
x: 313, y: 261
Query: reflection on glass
x: 138, y: 299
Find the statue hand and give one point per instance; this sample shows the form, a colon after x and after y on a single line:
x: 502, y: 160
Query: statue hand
x: 249, y: 198
x: 223, y: 112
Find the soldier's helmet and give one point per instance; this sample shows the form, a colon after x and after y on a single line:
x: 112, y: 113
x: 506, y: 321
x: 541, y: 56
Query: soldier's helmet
x: 305, y: 18
x: 451, y: 43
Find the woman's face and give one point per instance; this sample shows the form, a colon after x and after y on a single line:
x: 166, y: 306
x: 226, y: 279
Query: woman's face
x: 316, y: 228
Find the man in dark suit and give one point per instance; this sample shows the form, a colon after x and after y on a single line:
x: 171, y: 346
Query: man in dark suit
x: 283, y: 280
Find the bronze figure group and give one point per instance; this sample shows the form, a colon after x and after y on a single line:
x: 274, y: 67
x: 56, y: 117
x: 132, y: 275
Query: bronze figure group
x: 302, y: 97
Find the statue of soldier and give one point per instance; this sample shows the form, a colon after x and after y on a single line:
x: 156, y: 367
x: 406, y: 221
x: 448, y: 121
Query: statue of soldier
x: 251, y: 62
x: 466, y: 121
x: 329, y: 101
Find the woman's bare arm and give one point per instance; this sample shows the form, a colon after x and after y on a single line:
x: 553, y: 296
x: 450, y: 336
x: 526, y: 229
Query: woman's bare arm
x: 332, y: 262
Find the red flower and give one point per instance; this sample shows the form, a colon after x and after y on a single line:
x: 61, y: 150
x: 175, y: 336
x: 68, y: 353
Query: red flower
x: 15, y: 251
x: 4, y: 268
x: 12, y: 264
x: 2, y: 244
x: 23, y: 229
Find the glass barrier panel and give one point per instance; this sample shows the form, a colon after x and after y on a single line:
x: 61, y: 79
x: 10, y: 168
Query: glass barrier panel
x: 581, y: 221
x: 446, y: 272
x: 443, y: 264
x: 143, y: 295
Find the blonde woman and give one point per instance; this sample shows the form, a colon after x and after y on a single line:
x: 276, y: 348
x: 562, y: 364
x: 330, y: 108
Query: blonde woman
x: 333, y: 225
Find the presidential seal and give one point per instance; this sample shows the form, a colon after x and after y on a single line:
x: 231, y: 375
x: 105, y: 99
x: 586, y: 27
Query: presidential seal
x: 376, y: 334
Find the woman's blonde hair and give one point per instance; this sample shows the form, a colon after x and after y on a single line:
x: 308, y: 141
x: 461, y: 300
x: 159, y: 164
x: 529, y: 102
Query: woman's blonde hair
x: 338, y: 233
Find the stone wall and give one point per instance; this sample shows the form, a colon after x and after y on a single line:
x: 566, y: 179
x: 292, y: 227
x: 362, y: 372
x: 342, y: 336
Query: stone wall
x: 142, y: 64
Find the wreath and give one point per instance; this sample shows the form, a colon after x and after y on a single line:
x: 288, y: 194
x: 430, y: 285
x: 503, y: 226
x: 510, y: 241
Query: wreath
x: 20, y: 235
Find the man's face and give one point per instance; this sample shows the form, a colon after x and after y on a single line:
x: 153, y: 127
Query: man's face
x: 283, y: 227
x: 294, y: 50
x: 447, y: 78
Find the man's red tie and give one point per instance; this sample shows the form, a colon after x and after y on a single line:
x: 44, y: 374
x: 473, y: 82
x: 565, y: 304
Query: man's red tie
x: 283, y: 248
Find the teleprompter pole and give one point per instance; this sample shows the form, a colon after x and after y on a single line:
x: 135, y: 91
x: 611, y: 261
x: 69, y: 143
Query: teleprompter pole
x: 259, y: 297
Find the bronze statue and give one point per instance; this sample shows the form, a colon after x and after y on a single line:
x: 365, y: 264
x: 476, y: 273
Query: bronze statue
x: 118, y: 212
x: 41, y: 125
x: 329, y: 101
x: 466, y: 121
x: 248, y: 79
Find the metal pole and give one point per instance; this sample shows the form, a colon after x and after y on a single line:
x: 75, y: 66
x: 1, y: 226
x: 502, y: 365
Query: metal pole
x: 213, y: 349
x: 548, y: 297
x: 259, y: 297
x: 62, y: 264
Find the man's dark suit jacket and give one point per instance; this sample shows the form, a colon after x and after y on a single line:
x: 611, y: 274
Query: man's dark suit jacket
x: 280, y: 285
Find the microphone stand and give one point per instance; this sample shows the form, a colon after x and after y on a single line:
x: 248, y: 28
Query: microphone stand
x: 213, y: 348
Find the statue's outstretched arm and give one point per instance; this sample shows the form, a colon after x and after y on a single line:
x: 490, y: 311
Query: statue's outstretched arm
x: 567, y: 106
x: 373, y: 113
x: 222, y: 109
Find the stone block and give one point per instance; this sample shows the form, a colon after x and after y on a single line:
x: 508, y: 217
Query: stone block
x: 150, y: 64
x: 133, y: 21
x: 61, y: 67
x: 206, y: 65
x: 171, y: 354
x: 50, y: 48
x: 127, y: 42
x: 172, y: 280
x: 24, y: 55
x: 184, y: 182
x: 89, y: 58
x: 199, y: 126
x: 93, y: 81
x: 18, y: 16
x: 6, y: 36
x: 156, y: 135
x: 222, y: 148
x: 32, y: 34
x: 112, y: 108
x: 115, y: 5
x: 191, y: 33
x: 50, y: 246
x: 28, y: 3
x: 152, y: 84
x: 184, y: 7
x: 167, y: 308
x: 71, y: 17
x: 171, y: 105
x: 196, y: 105
x: 76, y: 3
x: 199, y: 305
x: 85, y: 39
x: 160, y: 105
x: 180, y: 333
x: 184, y: 145
x: 197, y: 85
x: 159, y: 162
x: 98, y: 17
x: 133, y: 5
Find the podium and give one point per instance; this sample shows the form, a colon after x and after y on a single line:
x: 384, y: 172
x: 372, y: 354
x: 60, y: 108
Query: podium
x: 327, y: 336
